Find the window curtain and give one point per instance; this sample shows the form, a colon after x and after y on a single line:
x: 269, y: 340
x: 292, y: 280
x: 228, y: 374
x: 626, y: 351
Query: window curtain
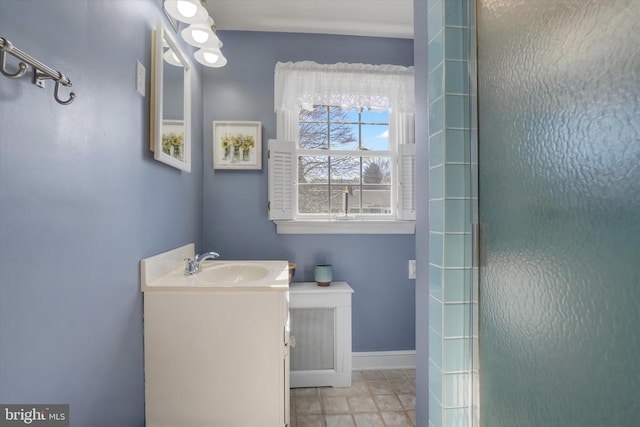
x: 377, y: 87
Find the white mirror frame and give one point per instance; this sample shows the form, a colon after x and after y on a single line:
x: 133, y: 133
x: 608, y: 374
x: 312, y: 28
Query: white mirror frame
x: 157, y: 114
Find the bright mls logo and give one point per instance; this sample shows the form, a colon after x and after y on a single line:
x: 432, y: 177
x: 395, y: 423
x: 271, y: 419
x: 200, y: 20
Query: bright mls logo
x: 34, y: 415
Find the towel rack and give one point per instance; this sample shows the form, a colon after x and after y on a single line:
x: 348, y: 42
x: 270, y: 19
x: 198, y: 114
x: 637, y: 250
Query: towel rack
x: 40, y: 71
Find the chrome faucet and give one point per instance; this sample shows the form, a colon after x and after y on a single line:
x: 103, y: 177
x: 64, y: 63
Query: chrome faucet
x: 193, y: 265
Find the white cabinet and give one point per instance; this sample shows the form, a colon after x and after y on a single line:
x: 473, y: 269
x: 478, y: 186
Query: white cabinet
x: 217, y: 358
x: 321, y: 326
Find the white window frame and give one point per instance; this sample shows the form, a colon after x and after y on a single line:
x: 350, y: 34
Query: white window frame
x: 282, y: 173
x: 283, y: 191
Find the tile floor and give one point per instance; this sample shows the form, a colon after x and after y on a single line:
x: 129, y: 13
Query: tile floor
x: 375, y: 399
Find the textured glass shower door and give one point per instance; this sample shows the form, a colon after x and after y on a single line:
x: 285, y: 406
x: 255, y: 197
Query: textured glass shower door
x: 559, y: 140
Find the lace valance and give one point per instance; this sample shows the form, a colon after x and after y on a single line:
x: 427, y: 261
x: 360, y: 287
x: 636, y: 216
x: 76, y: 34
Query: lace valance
x: 377, y: 87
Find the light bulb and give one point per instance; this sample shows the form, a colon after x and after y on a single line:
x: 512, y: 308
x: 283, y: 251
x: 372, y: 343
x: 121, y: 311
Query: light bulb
x: 171, y: 58
x: 187, y: 9
x: 199, y: 35
x: 210, y: 57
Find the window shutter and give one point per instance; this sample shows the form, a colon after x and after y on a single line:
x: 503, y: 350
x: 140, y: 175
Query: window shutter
x: 281, y: 179
x: 407, y: 188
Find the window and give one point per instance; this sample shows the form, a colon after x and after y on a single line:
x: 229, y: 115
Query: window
x: 344, y: 162
x: 339, y: 168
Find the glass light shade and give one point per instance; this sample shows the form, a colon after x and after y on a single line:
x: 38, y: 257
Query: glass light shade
x: 189, y: 11
x: 201, y: 35
x: 171, y: 58
x: 210, y: 57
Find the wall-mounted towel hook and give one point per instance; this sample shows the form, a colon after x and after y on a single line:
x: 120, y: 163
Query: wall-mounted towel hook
x: 40, y: 70
x: 72, y: 96
x: 3, y: 66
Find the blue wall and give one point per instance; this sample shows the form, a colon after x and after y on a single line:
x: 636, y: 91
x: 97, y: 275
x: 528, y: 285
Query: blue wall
x: 235, y: 202
x: 81, y: 202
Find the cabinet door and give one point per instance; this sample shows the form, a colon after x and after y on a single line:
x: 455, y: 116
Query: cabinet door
x: 215, y: 358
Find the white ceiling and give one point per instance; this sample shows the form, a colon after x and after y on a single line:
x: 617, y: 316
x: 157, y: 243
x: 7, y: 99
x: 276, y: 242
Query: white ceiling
x: 376, y: 18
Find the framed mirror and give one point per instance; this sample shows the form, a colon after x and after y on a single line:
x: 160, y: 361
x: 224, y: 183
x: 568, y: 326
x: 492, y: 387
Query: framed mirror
x: 170, y: 117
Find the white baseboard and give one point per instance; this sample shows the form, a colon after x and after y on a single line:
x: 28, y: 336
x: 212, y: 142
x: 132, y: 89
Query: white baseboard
x: 405, y: 359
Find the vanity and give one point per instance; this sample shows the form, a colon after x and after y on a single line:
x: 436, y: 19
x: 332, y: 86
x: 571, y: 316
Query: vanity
x: 216, y: 344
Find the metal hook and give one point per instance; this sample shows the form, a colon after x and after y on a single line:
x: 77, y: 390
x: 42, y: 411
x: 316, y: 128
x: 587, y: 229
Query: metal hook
x: 3, y: 69
x: 72, y: 96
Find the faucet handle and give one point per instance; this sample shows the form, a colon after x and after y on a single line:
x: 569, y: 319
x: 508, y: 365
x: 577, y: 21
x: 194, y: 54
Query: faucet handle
x: 189, y: 268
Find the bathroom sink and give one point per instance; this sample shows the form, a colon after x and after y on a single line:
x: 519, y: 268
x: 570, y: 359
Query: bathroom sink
x: 165, y: 272
x: 232, y: 273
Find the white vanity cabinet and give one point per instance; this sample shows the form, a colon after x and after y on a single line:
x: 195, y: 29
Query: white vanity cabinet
x: 216, y: 356
x: 216, y: 359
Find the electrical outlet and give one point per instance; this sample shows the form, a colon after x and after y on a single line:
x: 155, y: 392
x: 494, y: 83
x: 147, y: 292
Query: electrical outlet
x: 412, y: 269
x: 141, y: 78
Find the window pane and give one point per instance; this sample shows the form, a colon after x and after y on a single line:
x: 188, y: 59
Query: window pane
x: 344, y: 137
x: 312, y: 135
x: 376, y: 199
x: 313, y: 169
x: 375, y: 137
x: 337, y: 200
x: 313, y: 198
x: 344, y: 116
x: 345, y: 170
x: 319, y: 114
x: 376, y: 170
x: 345, y: 175
x: 370, y: 116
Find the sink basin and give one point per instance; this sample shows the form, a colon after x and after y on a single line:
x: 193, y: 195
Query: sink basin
x: 165, y: 272
x: 233, y: 273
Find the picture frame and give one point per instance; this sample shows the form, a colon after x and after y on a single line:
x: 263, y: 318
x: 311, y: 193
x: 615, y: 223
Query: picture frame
x: 173, y: 139
x: 237, y: 145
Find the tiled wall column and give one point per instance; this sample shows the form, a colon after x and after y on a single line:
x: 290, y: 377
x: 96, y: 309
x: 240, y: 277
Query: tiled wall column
x: 452, y: 288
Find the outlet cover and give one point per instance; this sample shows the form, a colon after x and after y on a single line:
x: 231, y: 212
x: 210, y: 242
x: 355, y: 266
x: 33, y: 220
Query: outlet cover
x: 412, y: 269
x: 141, y: 78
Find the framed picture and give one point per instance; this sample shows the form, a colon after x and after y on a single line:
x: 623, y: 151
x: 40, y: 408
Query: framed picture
x: 173, y: 142
x: 237, y: 145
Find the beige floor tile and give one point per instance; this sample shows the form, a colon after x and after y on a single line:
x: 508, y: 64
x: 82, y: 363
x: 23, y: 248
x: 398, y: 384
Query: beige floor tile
x: 380, y: 387
x: 335, y: 405
x: 394, y: 374
x: 372, y: 375
x: 412, y: 416
x: 362, y: 404
x: 403, y: 386
x: 305, y: 392
x: 339, y: 421
x: 388, y: 402
x: 356, y: 376
x: 372, y: 419
x: 410, y: 373
x: 377, y: 398
x: 408, y: 401
x: 310, y: 421
x: 358, y: 389
x: 396, y: 419
x: 334, y: 391
x: 308, y: 405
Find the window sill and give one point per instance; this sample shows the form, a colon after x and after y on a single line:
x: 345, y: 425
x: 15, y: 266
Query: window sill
x: 345, y: 227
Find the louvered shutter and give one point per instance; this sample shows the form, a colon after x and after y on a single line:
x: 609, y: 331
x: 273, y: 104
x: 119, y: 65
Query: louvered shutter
x: 407, y: 188
x: 281, y: 179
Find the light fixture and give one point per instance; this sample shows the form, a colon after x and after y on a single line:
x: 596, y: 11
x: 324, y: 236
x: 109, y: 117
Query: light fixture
x: 189, y: 11
x: 171, y: 58
x: 210, y: 57
x: 200, y: 33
